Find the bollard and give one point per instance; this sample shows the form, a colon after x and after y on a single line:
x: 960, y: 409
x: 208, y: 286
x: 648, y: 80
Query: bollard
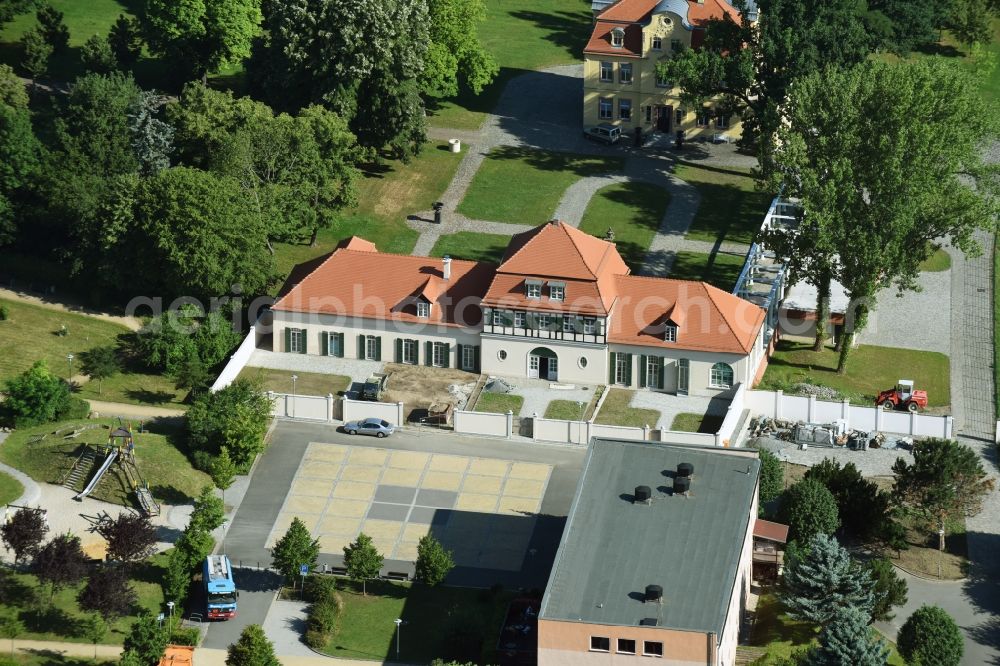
x: 437, y: 206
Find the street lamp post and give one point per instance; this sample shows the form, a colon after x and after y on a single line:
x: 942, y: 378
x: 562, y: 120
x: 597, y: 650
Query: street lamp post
x: 69, y: 361
x: 294, y: 378
x: 170, y: 607
x: 399, y: 623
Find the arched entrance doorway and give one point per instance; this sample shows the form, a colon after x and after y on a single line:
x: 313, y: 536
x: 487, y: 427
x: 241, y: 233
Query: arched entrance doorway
x: 543, y: 364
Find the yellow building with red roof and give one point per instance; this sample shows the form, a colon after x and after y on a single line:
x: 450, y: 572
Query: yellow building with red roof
x: 620, y: 83
x: 561, y: 305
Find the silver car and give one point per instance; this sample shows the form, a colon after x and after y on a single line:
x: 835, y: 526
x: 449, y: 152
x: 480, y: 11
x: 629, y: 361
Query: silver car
x: 376, y: 427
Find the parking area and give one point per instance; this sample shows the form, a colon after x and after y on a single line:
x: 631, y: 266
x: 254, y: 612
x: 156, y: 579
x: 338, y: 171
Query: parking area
x: 482, y: 509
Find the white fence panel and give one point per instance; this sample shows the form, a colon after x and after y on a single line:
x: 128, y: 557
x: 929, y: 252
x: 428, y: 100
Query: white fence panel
x: 896, y: 422
x: 481, y: 423
x: 862, y: 418
x: 362, y: 409
x: 237, y: 361
x: 550, y: 430
x: 617, y: 432
x: 794, y: 408
x: 761, y: 403
x: 828, y: 412
x: 307, y: 407
x: 679, y: 437
x: 727, y: 430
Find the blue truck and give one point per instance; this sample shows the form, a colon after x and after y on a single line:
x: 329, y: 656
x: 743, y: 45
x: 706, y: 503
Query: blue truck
x: 220, y: 588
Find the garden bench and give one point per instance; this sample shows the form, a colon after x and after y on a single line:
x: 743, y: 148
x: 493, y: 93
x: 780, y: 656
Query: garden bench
x: 397, y: 575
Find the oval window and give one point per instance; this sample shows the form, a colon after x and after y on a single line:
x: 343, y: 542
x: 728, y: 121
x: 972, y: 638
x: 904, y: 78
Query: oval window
x: 582, y: 362
x: 502, y: 354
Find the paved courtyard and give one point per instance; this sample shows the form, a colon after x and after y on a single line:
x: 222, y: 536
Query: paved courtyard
x: 481, y: 508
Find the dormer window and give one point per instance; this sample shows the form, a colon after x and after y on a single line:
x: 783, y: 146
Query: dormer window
x: 557, y: 291
x: 423, y: 309
x: 670, y: 333
x: 533, y: 289
x: 617, y: 38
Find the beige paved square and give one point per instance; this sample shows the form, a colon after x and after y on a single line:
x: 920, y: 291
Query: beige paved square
x: 382, y: 529
x: 408, y: 459
x: 406, y: 550
x: 354, y: 490
x: 517, y: 505
x: 401, y: 477
x: 414, y: 532
x: 347, y: 507
x: 443, y: 463
x: 523, y: 488
x: 522, y: 470
x: 285, y: 520
x: 334, y: 543
x: 321, y: 470
x: 320, y: 487
x: 339, y: 525
x: 488, y: 467
x: 305, y: 504
x: 367, y: 456
x: 478, y: 503
x: 482, y: 484
x: 365, y: 473
x: 327, y: 452
x: 442, y: 480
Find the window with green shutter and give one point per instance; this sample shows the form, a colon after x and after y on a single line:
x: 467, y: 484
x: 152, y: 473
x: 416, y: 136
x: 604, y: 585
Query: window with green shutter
x: 399, y: 350
x: 338, y: 345
x: 643, y: 375
x: 361, y: 346
x: 429, y: 353
x: 324, y: 343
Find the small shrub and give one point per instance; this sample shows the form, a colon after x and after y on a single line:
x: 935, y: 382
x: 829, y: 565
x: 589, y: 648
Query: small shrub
x: 185, y: 636
x: 322, y: 623
x: 318, y: 587
x: 78, y: 409
x: 4, y: 313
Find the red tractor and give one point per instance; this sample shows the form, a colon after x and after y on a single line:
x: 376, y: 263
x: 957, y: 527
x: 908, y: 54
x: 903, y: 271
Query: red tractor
x: 902, y: 397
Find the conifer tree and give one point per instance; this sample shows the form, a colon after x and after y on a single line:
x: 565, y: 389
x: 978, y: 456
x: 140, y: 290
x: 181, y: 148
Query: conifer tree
x: 848, y: 639
x: 819, y: 582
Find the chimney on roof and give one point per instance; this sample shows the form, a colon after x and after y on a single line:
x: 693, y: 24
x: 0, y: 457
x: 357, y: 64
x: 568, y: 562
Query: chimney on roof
x: 446, y: 267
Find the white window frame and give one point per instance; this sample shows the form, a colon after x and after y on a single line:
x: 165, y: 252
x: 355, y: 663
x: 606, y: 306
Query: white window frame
x: 617, y: 38
x: 497, y: 318
x: 704, y: 117
x: 557, y: 292
x: 332, y: 340
x: 423, y: 309
x: 624, y: 104
x: 618, y: 646
x: 468, y: 357
x: 606, y: 108
x: 410, y: 351
x: 589, y: 326
x: 670, y: 333
x: 533, y: 290
x: 439, y: 354
x: 652, y: 369
x: 520, y: 319
x: 625, y: 73
x: 678, y: 116
x: 296, y: 338
x: 606, y: 71
x: 621, y: 370
x: 716, y: 377
x: 647, y: 653
x: 568, y: 324
x: 371, y: 347
x: 543, y: 322
x: 722, y: 121
x: 657, y: 43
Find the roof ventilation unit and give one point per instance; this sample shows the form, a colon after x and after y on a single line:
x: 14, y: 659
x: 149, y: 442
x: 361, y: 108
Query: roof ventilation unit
x: 642, y: 494
x: 682, y: 484
x: 648, y: 622
x: 685, y: 469
x: 654, y: 593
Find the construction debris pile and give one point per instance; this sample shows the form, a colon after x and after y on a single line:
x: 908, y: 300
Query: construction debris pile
x: 826, y: 435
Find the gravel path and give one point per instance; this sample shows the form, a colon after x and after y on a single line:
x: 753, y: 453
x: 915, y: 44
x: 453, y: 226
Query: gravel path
x: 669, y: 406
x: 48, y: 303
x: 903, y: 321
x: 537, y: 398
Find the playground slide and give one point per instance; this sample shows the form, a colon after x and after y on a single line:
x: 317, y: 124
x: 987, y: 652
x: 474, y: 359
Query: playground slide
x: 111, y: 457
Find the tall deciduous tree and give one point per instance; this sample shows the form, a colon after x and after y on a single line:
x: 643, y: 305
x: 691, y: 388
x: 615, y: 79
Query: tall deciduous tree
x: 12, y: 92
x: 235, y: 417
x: 252, y: 649
x: 205, y: 119
x: 808, y: 509
x: 455, y: 56
x: 861, y: 506
x: 100, y: 363
x: 131, y: 538
x: 108, y: 593
x: 969, y: 20
x: 295, y: 548
x: 930, y: 636
x: 60, y: 562
x: 37, y: 52
x: 223, y: 471
x: 201, y: 36
x: 877, y: 153
x: 95, y: 629
x: 97, y: 56
x: 946, y: 480
x: 772, y: 477
x: 362, y: 560
x: 36, y: 396
x: 433, y: 561
x: 847, y: 639
x: 146, y: 641
x: 818, y: 582
x: 20, y: 157
x: 209, y: 513
x: 23, y: 533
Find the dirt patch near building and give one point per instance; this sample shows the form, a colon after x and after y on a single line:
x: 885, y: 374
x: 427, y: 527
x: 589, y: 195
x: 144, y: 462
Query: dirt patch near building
x: 419, y: 386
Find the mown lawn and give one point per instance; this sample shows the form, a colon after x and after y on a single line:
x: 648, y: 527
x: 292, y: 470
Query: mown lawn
x: 524, y: 186
x: 168, y: 472
x: 616, y: 411
x: 306, y: 383
x: 59, y: 618
x: 870, y: 369
x: 31, y: 333
x: 499, y: 403
x: 386, y: 195
x: 10, y: 488
x: 781, y: 635
x: 633, y: 211
x: 567, y: 410
x: 472, y: 246
x: 690, y: 422
x: 522, y: 35
x: 731, y: 207
x: 433, y: 618
x: 996, y: 326
x: 720, y: 269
